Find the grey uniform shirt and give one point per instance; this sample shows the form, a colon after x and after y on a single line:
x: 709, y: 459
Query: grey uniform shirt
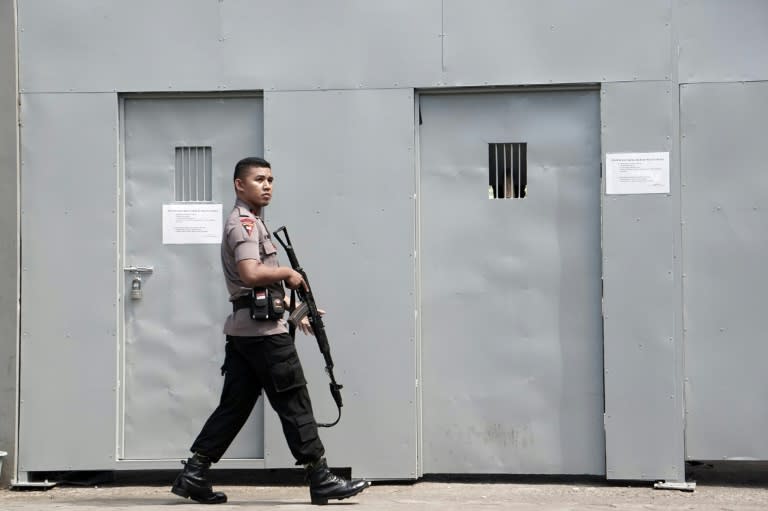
x: 246, y: 237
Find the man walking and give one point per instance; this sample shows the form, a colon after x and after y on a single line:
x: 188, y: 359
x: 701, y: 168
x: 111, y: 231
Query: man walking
x: 260, y: 353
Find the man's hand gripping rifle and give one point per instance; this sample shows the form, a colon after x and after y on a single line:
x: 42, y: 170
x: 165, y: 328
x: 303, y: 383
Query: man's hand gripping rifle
x: 308, y: 308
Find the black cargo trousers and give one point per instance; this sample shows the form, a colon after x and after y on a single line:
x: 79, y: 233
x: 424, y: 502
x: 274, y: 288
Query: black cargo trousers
x: 250, y: 365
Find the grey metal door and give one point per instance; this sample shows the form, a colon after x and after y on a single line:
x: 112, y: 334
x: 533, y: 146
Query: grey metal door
x: 511, y: 321
x: 726, y: 287
x: 178, y: 151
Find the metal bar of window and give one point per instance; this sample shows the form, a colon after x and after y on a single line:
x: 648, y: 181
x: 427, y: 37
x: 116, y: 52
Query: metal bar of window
x: 188, y: 193
x: 176, y: 174
x: 496, y: 166
x: 184, y: 173
x: 197, y: 173
x: 205, y: 173
x: 516, y: 170
x: 523, y: 169
x: 490, y: 170
x: 201, y: 177
x: 209, y: 174
x: 508, y: 181
x: 198, y: 170
x: 503, y: 172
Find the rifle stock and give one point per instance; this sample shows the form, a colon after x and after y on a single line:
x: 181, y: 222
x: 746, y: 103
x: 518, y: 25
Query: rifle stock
x: 308, y: 308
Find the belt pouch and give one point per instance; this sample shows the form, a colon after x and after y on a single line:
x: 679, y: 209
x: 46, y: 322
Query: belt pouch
x: 259, y: 303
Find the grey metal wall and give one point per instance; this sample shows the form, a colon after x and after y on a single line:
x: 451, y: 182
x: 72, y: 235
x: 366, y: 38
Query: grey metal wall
x: 9, y: 145
x: 68, y: 281
x: 344, y: 45
x: 640, y: 51
x: 347, y: 196
x: 725, y: 214
x: 721, y: 40
x: 643, y: 393
x: 339, y: 44
x: 723, y: 202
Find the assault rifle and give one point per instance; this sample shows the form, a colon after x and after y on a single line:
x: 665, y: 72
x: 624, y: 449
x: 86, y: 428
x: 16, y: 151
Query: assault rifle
x: 308, y: 308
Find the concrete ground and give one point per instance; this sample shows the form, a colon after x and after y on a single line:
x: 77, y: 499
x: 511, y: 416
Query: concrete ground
x: 430, y: 495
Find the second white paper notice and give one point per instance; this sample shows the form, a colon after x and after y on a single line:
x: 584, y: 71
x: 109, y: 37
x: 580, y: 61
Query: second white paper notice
x: 191, y: 224
x: 636, y: 173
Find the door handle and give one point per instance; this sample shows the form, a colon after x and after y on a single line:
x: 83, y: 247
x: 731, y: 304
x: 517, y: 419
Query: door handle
x: 139, y: 269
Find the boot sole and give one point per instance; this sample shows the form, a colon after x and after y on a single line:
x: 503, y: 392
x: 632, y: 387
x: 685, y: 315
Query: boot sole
x: 181, y: 492
x: 321, y: 501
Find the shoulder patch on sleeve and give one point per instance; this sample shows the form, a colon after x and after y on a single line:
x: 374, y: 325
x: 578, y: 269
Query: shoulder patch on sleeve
x: 247, y: 223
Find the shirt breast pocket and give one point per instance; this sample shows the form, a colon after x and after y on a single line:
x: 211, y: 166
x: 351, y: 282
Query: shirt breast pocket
x: 268, y: 248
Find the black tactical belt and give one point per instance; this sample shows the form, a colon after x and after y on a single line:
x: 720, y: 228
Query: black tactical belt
x: 241, y: 302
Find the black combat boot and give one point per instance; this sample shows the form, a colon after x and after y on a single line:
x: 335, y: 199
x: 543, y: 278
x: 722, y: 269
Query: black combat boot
x: 324, y: 485
x: 192, y: 484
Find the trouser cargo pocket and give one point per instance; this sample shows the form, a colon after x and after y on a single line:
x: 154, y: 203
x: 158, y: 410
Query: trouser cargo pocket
x: 306, y: 427
x: 285, y: 368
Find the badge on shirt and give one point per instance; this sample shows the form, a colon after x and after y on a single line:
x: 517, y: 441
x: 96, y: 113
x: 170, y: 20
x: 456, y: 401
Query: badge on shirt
x: 248, y: 224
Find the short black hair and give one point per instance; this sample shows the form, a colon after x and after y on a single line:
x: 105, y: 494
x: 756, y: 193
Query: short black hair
x: 247, y: 163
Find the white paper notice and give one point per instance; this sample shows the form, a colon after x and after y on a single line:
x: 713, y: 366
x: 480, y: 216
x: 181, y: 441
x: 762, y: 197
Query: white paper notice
x: 636, y: 173
x: 187, y: 224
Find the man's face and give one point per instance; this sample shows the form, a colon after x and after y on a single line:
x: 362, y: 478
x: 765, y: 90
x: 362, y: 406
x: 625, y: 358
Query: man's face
x: 255, y: 187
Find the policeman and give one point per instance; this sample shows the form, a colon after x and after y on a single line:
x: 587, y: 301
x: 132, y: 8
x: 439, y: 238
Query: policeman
x: 260, y: 353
